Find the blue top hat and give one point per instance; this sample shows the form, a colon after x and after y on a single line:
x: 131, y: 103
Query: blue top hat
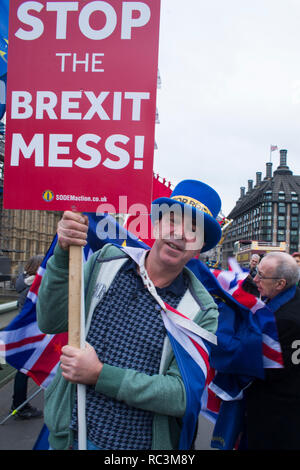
x: 201, y: 198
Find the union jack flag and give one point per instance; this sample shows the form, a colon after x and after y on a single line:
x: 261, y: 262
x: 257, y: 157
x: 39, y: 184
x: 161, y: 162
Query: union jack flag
x: 37, y: 354
x: 24, y: 346
x: 191, y: 346
x: 232, y: 282
x: 224, y: 404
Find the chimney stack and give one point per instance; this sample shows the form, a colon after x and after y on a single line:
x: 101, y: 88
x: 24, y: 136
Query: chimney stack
x: 258, y: 177
x: 250, y: 186
x: 269, y: 170
x: 242, y: 192
x: 283, y: 158
x: 283, y: 168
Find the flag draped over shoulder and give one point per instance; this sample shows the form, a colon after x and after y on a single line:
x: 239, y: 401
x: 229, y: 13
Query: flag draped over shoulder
x: 192, y: 355
x: 191, y: 351
x: 24, y: 346
x: 262, y: 318
x: 248, y: 344
x: 191, y: 346
x: 247, y: 335
x: 213, y: 375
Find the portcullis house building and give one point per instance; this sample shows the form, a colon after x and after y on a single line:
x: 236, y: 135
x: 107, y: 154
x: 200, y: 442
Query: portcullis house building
x: 268, y: 211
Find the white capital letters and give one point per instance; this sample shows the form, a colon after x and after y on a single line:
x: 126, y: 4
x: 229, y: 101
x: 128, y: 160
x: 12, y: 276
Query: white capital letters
x: 136, y: 103
x: 36, y: 24
x: 122, y: 154
x: 87, y: 150
x: 96, y: 105
x: 55, y: 150
x: 21, y: 100
x: 128, y: 22
x: 62, y: 9
x: 36, y: 145
x: 84, y: 20
x: 45, y: 101
x: 66, y: 104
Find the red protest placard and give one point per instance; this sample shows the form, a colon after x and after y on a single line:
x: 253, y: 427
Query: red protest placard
x: 81, y: 102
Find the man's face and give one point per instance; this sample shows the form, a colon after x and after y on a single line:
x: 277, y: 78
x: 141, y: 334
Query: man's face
x: 297, y: 259
x: 266, y: 281
x: 253, y: 262
x: 178, y: 239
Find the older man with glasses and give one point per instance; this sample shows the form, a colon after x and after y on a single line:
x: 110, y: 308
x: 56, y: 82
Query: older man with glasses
x: 273, y: 404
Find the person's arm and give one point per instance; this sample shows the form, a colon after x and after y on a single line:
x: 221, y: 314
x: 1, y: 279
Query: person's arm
x: 20, y: 284
x: 52, y: 304
x: 159, y: 393
x: 162, y: 394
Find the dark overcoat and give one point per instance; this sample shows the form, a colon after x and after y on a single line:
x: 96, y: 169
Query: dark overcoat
x: 273, y: 404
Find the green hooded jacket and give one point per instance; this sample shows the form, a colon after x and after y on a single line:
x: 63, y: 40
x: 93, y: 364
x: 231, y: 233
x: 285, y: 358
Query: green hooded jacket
x: 163, y: 393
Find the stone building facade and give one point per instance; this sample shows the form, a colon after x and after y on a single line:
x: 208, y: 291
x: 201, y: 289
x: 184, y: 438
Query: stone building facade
x: 23, y: 233
x: 268, y: 211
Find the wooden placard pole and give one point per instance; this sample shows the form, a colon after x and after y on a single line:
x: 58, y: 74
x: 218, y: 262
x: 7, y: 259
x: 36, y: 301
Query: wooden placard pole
x: 76, y: 326
x: 75, y: 278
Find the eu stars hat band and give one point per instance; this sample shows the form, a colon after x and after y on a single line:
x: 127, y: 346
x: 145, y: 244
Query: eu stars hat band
x: 192, y: 202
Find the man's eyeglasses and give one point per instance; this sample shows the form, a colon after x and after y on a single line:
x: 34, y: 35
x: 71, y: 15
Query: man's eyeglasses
x: 260, y: 276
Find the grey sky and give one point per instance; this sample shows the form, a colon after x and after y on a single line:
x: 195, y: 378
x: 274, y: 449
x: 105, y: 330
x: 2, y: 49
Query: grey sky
x: 230, y: 88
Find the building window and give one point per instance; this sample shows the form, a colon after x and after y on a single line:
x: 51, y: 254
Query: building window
x: 294, y: 237
x: 294, y: 208
x: 281, y: 196
x: 294, y: 196
x: 266, y: 221
x: 281, y: 208
x: 268, y: 196
x: 281, y: 221
x: 281, y: 235
x: 267, y: 234
x: 267, y: 208
x: 294, y: 222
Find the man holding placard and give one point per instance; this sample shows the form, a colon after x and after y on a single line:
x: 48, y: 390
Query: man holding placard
x: 135, y: 392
